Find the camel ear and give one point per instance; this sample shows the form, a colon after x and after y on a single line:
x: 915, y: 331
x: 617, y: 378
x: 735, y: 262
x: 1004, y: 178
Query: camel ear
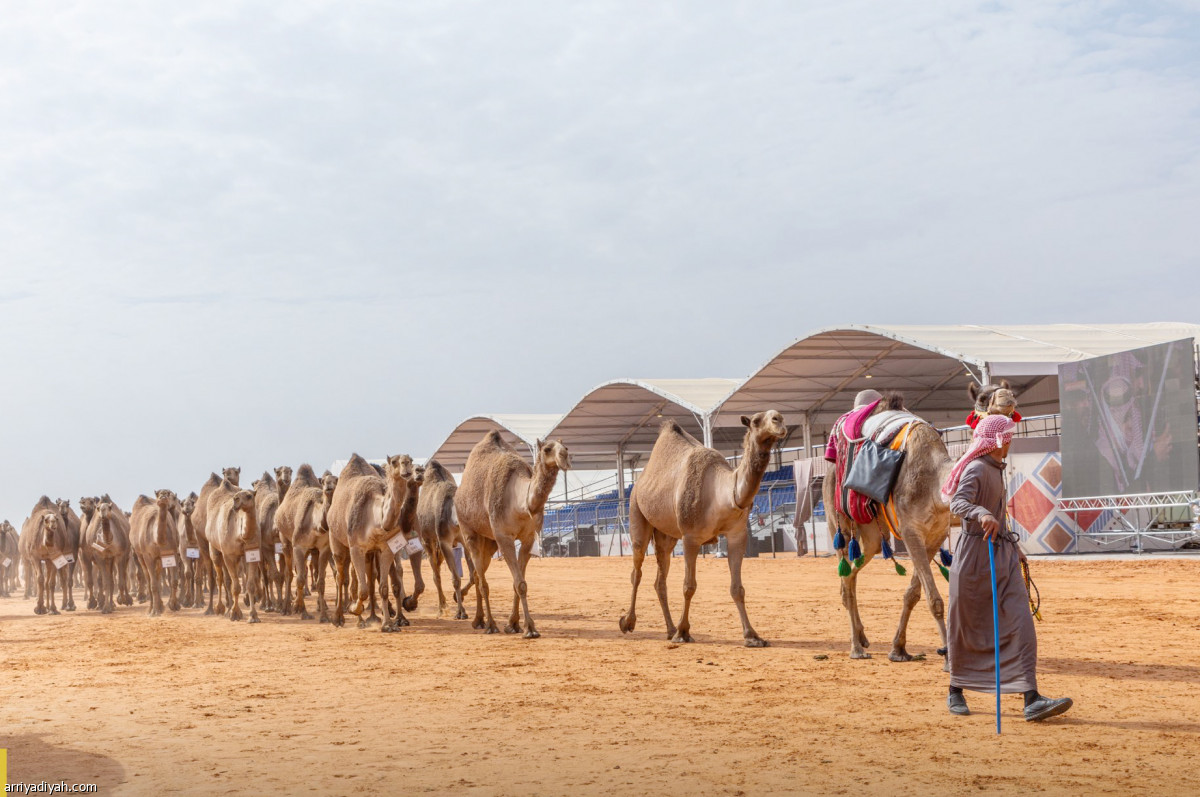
x: 539, y: 442
x: 973, y: 390
x: 1004, y: 384
x: 745, y: 420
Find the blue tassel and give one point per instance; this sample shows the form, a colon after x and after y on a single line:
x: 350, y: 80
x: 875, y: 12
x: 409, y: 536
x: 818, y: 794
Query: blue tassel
x: 839, y: 540
x: 855, y: 549
x: 887, y: 549
x: 947, y: 559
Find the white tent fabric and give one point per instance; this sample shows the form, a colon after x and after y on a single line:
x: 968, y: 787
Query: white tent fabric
x: 521, y: 431
x: 627, y: 413
x: 820, y: 374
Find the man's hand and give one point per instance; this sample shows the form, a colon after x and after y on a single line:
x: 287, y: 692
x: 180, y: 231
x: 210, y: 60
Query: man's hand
x: 991, y: 527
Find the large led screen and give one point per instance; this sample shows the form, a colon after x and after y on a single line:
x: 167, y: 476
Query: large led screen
x: 1129, y: 422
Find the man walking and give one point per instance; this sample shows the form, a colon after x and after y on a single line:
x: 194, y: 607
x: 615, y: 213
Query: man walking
x: 978, y: 497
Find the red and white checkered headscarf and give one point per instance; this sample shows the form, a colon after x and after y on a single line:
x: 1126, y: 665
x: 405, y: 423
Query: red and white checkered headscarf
x: 991, y: 433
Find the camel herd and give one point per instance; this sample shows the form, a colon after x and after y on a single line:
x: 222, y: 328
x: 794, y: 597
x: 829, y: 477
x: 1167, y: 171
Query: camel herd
x: 226, y: 547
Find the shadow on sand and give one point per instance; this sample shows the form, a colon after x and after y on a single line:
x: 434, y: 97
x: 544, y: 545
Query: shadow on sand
x: 33, y: 759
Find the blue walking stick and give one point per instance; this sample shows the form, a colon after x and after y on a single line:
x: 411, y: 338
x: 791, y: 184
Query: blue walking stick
x: 995, y: 625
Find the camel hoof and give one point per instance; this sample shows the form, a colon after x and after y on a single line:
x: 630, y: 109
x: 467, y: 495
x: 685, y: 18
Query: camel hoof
x: 323, y: 619
x: 91, y: 603
x: 941, y: 651
x: 531, y: 634
x: 70, y: 608
x: 862, y: 640
x: 52, y: 610
x: 627, y: 623
x: 682, y: 636
x: 410, y: 603
x: 860, y: 654
x: 305, y: 615
x: 339, y: 622
x: 512, y: 628
x: 254, y: 619
x: 362, y: 623
x: 757, y: 642
x: 209, y: 611
x: 39, y: 610
x: 899, y: 655
x: 491, y: 629
x: 403, y: 621
x: 478, y: 624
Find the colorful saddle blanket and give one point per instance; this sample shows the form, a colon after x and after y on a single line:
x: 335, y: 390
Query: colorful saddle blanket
x: 889, y: 429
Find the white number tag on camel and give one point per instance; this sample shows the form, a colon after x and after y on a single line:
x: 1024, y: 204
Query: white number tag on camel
x: 60, y: 562
x: 168, y: 561
x: 253, y: 555
x: 415, y: 547
x: 279, y: 547
x: 396, y: 543
x: 70, y: 558
x: 7, y: 561
x: 193, y: 553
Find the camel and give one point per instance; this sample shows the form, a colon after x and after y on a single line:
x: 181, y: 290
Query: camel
x: 304, y: 530
x: 10, y: 559
x: 43, y: 546
x: 691, y: 493
x: 268, y: 492
x: 440, y: 532
x: 87, y: 509
x: 204, y: 564
x: 233, y: 540
x: 924, y: 521
x: 155, y: 541
x: 414, y: 550
x: 108, y: 544
x: 72, y: 531
x: 189, y: 552
x: 364, y: 525
x: 500, y: 503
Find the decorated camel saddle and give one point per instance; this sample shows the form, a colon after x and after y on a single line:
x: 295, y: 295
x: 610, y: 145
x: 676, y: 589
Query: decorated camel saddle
x: 859, y: 440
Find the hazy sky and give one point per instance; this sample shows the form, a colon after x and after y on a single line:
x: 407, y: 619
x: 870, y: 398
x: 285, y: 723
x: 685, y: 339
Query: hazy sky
x: 264, y: 233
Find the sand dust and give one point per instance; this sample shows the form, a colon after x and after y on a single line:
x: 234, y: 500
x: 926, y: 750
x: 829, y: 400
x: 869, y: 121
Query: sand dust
x: 195, y: 704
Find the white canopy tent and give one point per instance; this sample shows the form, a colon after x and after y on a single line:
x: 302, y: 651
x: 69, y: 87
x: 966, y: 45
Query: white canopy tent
x: 815, y: 379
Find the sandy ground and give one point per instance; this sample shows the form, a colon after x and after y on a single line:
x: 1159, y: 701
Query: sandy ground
x: 196, y: 704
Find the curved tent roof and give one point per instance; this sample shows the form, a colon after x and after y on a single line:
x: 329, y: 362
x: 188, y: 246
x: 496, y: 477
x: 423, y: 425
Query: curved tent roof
x: 932, y: 365
x: 626, y: 414
x: 521, y: 431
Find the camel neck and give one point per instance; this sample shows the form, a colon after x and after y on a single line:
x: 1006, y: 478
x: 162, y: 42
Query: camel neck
x: 749, y: 473
x: 408, y: 511
x: 189, y: 530
x: 160, y: 531
x: 106, y: 530
x: 395, y: 494
x: 538, y: 491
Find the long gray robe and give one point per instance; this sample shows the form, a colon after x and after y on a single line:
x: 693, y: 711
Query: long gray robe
x: 971, y: 649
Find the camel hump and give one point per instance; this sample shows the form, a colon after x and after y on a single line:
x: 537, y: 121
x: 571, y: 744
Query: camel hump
x: 305, y: 477
x: 44, y: 503
x: 213, y: 480
x: 141, y: 502
x: 692, y: 500
x: 436, y: 472
x: 357, y: 466
x: 503, y: 467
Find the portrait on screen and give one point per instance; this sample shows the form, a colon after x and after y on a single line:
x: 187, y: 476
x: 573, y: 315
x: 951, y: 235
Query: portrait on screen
x: 1129, y: 422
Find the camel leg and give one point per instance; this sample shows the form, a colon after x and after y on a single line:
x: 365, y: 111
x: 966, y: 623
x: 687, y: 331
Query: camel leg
x: 915, y: 542
x: 234, y: 583
x: 517, y: 562
x: 341, y: 578
x: 89, y: 584
x: 470, y: 561
x: 153, y: 611
x: 286, y: 574
x: 218, y: 563
x: 639, y: 536
x: 410, y: 603
x: 737, y: 549
x: 375, y: 573
x: 359, y: 560
x: 69, y: 590
x: 300, y: 572
x: 447, y: 553
x: 174, y: 577
x: 664, y: 546
x: 210, y: 570
x: 255, y: 584
x: 394, y: 572
x: 850, y: 601
x: 691, y: 549
x: 51, y: 585
x: 322, y: 558
x: 484, y: 547
x: 435, y: 572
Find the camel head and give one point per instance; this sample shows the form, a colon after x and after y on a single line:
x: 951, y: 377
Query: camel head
x: 63, y: 504
x: 243, y: 501
x: 188, y: 505
x: 418, y: 477
x: 104, y: 511
x: 765, y: 428
x: 283, y: 476
x: 981, y: 395
x: 164, y: 498
x: 6, y: 528
x: 399, y: 468
x: 232, y: 475
x: 48, y: 526
x: 1002, y: 402
x: 328, y: 485
x: 87, y: 506
x: 552, y: 453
